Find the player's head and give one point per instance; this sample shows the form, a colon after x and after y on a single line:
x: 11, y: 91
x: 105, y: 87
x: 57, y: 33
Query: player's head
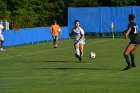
x: 131, y: 17
x: 76, y: 23
x: 55, y: 22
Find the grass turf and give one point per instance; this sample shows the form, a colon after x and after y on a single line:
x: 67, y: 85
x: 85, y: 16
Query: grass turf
x: 40, y: 68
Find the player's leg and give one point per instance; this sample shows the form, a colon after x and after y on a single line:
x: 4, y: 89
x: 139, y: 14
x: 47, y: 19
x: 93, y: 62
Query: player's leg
x: 81, y: 48
x: 53, y: 39
x: 56, y: 41
x: 132, y: 57
x: 77, y: 52
x: 127, y: 51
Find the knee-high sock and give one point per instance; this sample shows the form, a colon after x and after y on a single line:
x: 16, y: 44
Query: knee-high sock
x: 54, y: 42
x: 127, y: 59
x: 132, y: 59
x: 77, y: 51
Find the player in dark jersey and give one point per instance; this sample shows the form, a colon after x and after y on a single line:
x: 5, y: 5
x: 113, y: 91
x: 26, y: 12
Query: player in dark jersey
x: 132, y: 33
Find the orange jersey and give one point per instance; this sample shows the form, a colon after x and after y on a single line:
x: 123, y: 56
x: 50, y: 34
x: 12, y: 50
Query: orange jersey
x: 54, y: 30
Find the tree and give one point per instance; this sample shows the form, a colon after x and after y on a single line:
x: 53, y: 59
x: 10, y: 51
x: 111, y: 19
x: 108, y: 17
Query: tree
x: 36, y: 13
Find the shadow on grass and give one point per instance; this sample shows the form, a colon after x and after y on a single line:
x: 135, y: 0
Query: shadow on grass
x: 55, y: 61
x: 78, y: 68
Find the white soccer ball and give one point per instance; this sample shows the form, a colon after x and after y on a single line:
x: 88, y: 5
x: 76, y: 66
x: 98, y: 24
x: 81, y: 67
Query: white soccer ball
x: 92, y: 55
x: 59, y: 30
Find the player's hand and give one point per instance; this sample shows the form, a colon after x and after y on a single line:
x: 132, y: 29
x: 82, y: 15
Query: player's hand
x: 124, y: 32
x: 76, y: 42
x: 125, y: 36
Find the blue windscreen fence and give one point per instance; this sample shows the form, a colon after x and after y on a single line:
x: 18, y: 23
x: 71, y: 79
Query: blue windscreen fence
x: 102, y: 19
x: 31, y: 35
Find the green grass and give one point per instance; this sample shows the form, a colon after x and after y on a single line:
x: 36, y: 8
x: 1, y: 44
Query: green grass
x: 40, y: 68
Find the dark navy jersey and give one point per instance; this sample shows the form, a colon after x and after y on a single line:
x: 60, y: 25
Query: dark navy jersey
x: 134, y: 28
x: 133, y: 35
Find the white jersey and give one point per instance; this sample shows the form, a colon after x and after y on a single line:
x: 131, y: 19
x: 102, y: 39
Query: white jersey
x: 1, y: 28
x: 77, y: 35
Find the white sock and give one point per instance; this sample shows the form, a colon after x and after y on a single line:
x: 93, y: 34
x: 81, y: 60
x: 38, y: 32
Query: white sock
x: 77, y: 51
x: 55, y: 45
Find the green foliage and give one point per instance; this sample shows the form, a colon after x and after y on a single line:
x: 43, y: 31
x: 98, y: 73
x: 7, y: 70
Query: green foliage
x: 124, y: 2
x: 35, y: 13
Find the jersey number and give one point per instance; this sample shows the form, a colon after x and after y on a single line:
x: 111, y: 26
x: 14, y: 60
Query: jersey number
x: 136, y: 29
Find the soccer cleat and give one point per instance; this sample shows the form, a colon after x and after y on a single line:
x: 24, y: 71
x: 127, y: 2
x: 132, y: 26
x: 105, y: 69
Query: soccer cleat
x: 126, y: 68
x: 133, y: 65
x: 80, y: 59
x: 77, y: 56
x: 2, y: 49
x: 55, y: 46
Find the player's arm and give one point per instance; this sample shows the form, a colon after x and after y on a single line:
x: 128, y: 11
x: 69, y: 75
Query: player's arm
x: 51, y: 29
x: 72, y: 32
x: 82, y: 34
x: 60, y: 30
x: 127, y: 32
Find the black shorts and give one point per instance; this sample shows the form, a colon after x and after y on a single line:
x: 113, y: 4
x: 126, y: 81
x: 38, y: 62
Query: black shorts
x: 135, y: 42
x: 135, y: 39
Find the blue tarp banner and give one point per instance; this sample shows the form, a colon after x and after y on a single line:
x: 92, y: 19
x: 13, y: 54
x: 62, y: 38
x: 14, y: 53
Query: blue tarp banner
x: 100, y: 19
x: 31, y: 35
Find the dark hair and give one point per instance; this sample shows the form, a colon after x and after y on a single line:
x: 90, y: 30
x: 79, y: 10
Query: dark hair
x: 76, y: 21
x: 55, y: 21
x: 131, y: 17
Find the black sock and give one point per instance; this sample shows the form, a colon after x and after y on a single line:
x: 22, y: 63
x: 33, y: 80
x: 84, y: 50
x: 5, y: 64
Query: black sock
x: 132, y: 60
x: 127, y: 59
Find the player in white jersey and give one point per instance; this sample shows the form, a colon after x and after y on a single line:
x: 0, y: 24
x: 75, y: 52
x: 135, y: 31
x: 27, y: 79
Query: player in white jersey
x: 1, y: 37
x: 79, y: 39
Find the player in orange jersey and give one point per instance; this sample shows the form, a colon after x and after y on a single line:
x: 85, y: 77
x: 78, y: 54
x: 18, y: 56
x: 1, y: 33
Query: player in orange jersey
x: 55, y: 29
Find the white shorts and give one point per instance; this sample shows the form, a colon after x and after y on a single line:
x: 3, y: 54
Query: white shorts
x: 1, y: 37
x: 82, y: 41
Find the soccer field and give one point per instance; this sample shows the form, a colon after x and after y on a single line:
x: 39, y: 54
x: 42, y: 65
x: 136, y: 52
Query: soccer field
x: 40, y: 68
